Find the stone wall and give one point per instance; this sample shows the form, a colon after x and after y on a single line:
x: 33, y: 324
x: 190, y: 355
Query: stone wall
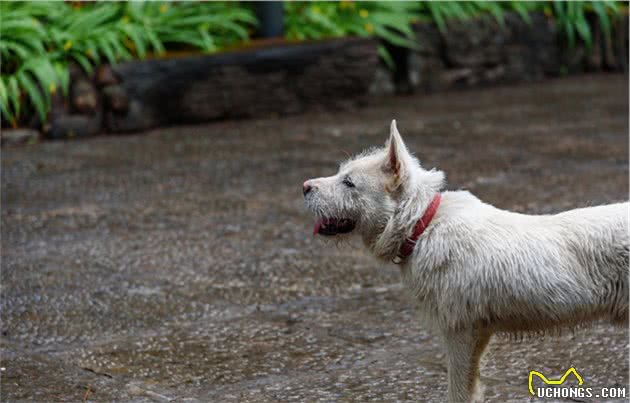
x: 278, y: 80
x: 481, y: 52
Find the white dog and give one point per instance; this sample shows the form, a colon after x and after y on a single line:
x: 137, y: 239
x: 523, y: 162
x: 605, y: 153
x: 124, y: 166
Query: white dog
x: 475, y: 269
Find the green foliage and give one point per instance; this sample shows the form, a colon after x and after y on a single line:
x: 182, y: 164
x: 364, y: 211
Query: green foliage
x: 390, y: 21
x: 40, y: 39
x: 572, y: 22
x: 571, y: 16
x: 441, y: 12
x: 23, y: 51
x: 207, y: 26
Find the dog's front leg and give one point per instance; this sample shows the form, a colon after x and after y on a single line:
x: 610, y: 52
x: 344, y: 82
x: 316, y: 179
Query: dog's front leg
x: 464, y: 350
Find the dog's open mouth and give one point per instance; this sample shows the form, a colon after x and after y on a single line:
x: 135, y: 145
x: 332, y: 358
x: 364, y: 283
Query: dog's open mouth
x: 333, y: 226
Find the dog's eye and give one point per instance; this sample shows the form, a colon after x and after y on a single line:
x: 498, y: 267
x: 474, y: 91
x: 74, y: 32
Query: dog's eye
x: 348, y: 182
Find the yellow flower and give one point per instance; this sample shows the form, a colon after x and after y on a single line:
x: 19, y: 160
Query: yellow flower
x: 125, y: 19
x: 129, y: 44
x: 67, y: 45
x: 163, y: 8
x: 52, y: 88
x: 346, y: 4
x: 364, y: 13
x: 369, y: 28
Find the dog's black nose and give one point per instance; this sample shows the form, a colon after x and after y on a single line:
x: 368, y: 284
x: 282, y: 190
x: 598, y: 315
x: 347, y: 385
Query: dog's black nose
x: 306, y: 187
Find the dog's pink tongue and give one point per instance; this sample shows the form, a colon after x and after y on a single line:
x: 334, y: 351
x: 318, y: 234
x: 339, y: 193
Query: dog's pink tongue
x: 318, y: 224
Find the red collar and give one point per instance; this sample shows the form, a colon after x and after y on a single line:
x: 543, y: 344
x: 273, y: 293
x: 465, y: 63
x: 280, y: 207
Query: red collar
x: 407, y: 247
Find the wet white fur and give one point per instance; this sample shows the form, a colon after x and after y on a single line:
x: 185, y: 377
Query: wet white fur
x: 478, y: 270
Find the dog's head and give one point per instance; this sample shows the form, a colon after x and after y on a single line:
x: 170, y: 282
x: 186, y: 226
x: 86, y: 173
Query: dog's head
x: 369, y: 190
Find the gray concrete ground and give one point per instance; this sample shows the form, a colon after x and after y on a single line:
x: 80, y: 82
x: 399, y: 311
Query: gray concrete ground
x: 179, y: 265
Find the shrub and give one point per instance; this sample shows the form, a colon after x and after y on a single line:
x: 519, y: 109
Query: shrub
x: 40, y: 39
x: 572, y: 22
x: 389, y: 21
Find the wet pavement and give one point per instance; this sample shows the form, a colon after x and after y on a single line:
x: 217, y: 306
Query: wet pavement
x: 179, y: 265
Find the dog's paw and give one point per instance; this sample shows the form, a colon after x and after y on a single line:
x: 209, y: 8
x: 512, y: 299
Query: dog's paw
x: 478, y: 393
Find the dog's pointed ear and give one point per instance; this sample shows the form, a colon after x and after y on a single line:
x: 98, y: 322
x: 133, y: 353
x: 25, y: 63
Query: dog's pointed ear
x: 396, y: 151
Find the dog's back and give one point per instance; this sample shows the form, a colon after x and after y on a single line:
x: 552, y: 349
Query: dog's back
x: 518, y: 272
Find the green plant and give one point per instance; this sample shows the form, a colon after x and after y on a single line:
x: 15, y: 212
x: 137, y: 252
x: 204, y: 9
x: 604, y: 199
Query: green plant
x: 26, y: 68
x: 570, y: 16
x: 440, y: 12
x: 207, y: 26
x: 389, y: 21
x: 572, y: 22
x: 40, y: 39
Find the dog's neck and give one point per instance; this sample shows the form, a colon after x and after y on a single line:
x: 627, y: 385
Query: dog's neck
x: 412, y: 202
